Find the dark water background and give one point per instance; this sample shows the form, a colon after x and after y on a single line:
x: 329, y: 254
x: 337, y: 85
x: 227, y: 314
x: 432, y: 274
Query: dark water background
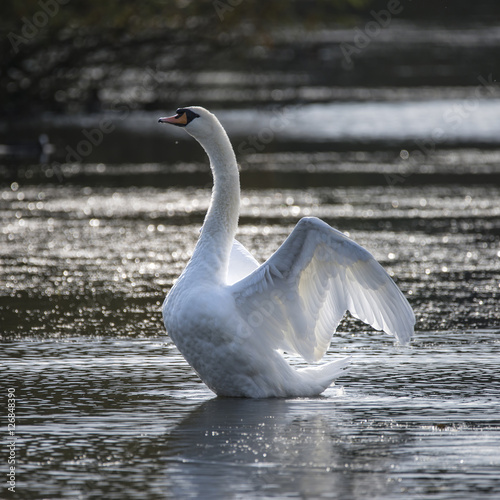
x: 407, y: 164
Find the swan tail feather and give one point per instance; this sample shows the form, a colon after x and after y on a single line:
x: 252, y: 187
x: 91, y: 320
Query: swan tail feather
x: 324, y: 375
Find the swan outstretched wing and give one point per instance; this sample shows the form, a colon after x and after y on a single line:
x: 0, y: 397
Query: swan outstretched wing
x: 296, y: 299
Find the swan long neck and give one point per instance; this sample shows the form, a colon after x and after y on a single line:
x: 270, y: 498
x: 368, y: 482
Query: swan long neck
x: 221, y: 221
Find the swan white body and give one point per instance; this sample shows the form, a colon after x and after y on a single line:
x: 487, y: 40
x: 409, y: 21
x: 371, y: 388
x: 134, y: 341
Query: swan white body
x: 231, y: 318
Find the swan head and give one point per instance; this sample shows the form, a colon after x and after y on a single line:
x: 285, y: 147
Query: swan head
x: 197, y: 121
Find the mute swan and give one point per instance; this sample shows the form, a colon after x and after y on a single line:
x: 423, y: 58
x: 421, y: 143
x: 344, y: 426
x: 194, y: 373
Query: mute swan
x: 232, y: 318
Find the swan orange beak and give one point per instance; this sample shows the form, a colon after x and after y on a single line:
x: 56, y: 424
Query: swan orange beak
x: 180, y: 119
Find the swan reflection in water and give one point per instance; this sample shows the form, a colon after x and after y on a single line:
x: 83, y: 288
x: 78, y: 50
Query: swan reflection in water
x: 226, y: 448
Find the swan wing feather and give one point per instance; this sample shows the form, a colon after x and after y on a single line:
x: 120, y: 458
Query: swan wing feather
x: 296, y: 299
x: 241, y: 263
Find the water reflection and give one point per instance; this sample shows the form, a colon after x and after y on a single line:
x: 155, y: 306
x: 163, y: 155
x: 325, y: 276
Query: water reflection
x: 265, y: 447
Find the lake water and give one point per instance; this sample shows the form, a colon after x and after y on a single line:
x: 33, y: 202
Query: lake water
x: 107, y: 408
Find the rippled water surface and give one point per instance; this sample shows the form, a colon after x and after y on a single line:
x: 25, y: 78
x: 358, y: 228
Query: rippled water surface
x: 107, y: 408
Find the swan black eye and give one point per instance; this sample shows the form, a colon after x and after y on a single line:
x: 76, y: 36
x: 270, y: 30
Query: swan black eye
x: 190, y: 115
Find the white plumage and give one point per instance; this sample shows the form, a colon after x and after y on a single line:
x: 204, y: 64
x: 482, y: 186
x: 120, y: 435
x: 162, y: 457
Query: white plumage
x: 231, y: 318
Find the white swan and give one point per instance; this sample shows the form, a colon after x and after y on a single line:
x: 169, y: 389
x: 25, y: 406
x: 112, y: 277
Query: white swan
x: 231, y: 318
